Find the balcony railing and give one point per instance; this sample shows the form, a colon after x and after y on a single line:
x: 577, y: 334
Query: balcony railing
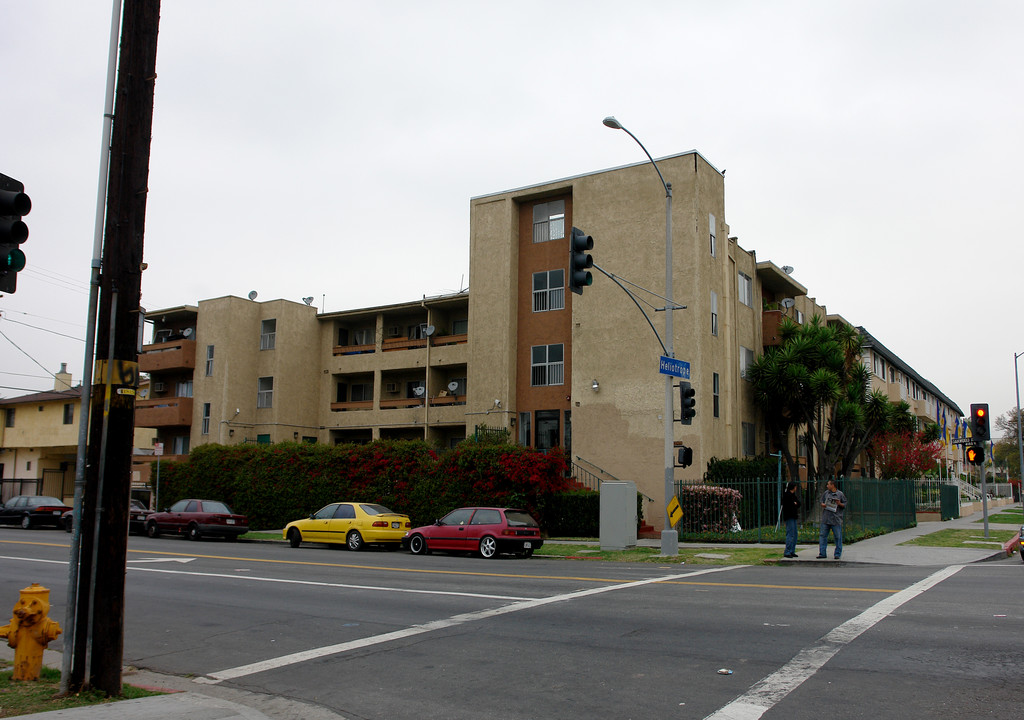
x: 354, y: 349
x: 163, y: 412
x: 171, y: 355
x: 352, y: 405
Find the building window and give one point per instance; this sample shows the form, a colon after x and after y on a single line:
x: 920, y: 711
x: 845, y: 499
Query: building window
x: 549, y: 290
x: 418, y: 332
x: 268, y: 334
x: 711, y: 233
x: 69, y: 413
x: 365, y: 336
x: 209, y: 360
x: 715, y: 389
x: 460, y: 327
x: 549, y: 221
x: 206, y: 419
x: 9, y: 417
x: 263, y: 439
x: 184, y: 389
x: 547, y: 366
x: 524, y: 428
x: 265, y: 392
x: 362, y: 392
x: 714, y: 313
x: 180, y: 444
x: 749, y: 440
x: 746, y: 290
x: 746, y: 360
x: 800, y: 317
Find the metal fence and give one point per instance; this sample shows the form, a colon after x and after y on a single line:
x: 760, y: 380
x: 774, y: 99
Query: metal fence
x: 751, y: 512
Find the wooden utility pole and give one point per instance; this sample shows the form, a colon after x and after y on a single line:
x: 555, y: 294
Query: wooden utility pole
x: 99, y: 618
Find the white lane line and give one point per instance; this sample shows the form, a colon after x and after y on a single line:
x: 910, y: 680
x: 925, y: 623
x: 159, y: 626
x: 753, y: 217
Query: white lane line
x: 312, y: 654
x: 315, y: 583
x: 769, y: 691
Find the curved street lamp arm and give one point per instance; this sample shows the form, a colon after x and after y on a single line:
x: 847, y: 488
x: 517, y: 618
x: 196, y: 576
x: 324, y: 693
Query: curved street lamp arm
x: 635, y: 302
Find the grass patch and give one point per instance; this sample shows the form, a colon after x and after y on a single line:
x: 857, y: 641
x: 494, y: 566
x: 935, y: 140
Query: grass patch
x: 962, y: 538
x: 27, y: 697
x: 1010, y: 516
x: 262, y: 535
x: 735, y: 555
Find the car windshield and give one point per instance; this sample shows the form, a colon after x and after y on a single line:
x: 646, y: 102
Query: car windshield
x: 518, y: 518
x: 212, y: 506
x: 375, y: 510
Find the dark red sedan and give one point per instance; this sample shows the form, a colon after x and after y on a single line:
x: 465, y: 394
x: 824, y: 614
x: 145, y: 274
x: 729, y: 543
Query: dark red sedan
x: 196, y: 519
x: 488, y: 531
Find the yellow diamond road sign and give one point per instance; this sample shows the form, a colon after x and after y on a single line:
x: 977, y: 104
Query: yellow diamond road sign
x: 675, y: 513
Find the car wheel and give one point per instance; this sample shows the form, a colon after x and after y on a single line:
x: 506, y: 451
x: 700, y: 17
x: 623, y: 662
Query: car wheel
x: 26, y: 522
x: 294, y: 537
x: 193, y: 532
x: 152, y: 530
x: 418, y: 545
x: 488, y: 547
x: 355, y: 540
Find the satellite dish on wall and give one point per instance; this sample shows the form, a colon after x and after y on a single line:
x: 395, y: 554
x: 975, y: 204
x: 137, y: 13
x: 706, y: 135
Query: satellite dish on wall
x: 308, y: 300
x: 252, y: 294
x: 788, y: 269
x: 418, y: 390
x: 787, y: 303
x: 429, y: 330
x: 453, y: 386
x: 187, y: 332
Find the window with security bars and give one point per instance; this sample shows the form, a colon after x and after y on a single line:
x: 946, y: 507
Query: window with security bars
x: 549, y: 221
x: 268, y: 334
x: 547, y: 366
x: 265, y: 392
x: 549, y: 290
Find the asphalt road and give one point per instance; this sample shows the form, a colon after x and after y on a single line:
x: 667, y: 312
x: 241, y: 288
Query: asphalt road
x: 386, y: 635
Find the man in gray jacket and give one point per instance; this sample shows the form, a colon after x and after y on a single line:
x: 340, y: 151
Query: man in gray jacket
x: 833, y: 503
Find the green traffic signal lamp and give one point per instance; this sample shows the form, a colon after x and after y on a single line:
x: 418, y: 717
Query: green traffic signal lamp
x: 13, y: 232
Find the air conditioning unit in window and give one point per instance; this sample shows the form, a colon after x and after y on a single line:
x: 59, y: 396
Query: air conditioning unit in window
x: 391, y: 387
x: 159, y: 386
x: 394, y: 331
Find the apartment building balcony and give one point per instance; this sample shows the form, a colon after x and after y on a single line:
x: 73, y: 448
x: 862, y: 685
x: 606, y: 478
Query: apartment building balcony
x: 163, y: 412
x: 354, y: 349
x: 352, y: 405
x: 770, y: 322
x: 170, y: 355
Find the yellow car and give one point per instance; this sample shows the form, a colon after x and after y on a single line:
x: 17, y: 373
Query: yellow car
x: 352, y: 524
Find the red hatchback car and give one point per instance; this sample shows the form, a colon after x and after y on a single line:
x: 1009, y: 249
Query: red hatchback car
x: 196, y: 519
x: 488, y: 531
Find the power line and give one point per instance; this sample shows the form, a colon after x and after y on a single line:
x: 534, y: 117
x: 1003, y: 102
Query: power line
x: 41, y: 317
x: 52, y: 332
x: 4, y: 336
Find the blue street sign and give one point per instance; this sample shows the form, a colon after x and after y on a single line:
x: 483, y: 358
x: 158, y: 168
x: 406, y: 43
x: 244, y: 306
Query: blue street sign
x: 676, y: 368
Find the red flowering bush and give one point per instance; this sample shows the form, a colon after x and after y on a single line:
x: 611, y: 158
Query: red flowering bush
x: 904, y: 455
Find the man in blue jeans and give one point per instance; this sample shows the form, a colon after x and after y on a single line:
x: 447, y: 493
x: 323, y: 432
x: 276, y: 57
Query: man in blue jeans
x: 833, y: 503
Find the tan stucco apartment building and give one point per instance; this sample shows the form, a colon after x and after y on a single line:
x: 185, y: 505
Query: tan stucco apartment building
x: 518, y: 352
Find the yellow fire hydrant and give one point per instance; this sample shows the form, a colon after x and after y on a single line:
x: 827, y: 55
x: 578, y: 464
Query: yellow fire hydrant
x: 30, y: 631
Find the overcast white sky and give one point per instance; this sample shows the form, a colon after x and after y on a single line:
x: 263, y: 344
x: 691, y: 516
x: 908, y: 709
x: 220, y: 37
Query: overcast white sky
x: 331, y: 149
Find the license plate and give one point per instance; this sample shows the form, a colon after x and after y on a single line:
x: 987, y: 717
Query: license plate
x: 57, y: 512
x: 396, y: 525
x: 231, y: 521
x: 527, y: 546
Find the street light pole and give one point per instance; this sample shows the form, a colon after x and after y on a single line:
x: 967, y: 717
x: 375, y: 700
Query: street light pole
x: 669, y: 537
x: 1020, y: 445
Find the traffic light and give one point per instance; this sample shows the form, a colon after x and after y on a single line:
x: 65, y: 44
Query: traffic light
x: 685, y: 457
x: 13, y: 232
x: 975, y: 455
x: 687, y: 403
x: 580, y: 260
x: 979, y: 423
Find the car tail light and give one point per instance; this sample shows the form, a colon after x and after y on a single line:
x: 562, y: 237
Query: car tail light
x: 380, y: 523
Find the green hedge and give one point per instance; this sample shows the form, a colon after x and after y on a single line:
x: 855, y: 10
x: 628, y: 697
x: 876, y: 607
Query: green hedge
x: 275, y: 484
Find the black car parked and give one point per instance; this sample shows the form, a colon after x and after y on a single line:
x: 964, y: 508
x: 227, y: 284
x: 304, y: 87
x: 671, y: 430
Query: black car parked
x: 31, y: 511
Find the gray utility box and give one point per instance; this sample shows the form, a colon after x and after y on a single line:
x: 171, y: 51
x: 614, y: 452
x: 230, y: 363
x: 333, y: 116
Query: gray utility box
x: 618, y: 515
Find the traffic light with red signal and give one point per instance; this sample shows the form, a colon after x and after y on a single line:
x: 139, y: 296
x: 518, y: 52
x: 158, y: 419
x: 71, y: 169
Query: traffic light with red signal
x: 980, y: 430
x: 975, y: 455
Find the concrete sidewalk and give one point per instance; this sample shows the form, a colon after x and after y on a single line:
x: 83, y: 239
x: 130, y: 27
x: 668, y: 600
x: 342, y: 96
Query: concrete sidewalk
x: 188, y: 700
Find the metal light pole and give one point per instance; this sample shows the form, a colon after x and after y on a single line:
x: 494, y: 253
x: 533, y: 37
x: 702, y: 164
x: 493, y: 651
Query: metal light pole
x: 669, y: 537
x: 1020, y: 446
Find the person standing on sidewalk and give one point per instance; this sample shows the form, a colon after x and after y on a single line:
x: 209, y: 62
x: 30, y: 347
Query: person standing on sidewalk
x: 833, y: 503
x: 791, y: 516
